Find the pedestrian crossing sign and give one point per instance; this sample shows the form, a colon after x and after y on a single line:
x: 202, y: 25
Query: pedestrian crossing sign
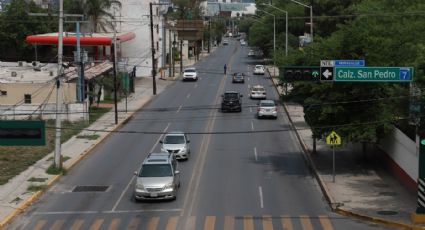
x: 333, y: 139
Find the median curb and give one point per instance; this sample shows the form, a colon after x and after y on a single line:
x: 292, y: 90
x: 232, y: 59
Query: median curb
x: 335, y: 206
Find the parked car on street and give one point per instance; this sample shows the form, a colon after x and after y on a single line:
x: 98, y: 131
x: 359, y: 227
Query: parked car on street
x: 177, y: 143
x: 231, y: 101
x: 190, y: 74
x: 251, y: 53
x: 258, y: 92
x: 238, y: 78
x: 267, y: 108
x: 225, y: 42
x: 259, y: 70
x: 158, y: 178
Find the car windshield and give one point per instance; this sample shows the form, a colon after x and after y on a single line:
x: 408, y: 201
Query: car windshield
x: 156, y: 170
x: 231, y: 96
x: 190, y: 71
x: 259, y: 67
x: 174, y: 139
x: 267, y: 104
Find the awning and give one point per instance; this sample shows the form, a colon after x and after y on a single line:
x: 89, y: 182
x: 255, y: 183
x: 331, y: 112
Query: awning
x: 85, y: 39
x: 90, y: 71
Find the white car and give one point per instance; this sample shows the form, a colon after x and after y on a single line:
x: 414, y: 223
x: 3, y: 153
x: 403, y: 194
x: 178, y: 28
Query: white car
x: 258, y: 92
x: 267, y: 108
x: 176, y: 143
x: 259, y: 69
x: 190, y: 74
x: 243, y: 43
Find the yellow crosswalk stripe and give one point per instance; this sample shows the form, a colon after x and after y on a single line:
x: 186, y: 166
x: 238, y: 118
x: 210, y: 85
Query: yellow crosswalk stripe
x: 77, y: 224
x: 267, y: 222
x: 286, y: 223
x: 229, y: 223
x: 40, y: 224
x: 172, y: 223
x: 153, y: 223
x: 305, y: 222
x: 97, y: 224
x: 326, y: 223
x: 114, y: 224
x: 190, y: 223
x: 134, y: 224
x: 209, y: 223
x: 57, y: 225
x: 248, y: 223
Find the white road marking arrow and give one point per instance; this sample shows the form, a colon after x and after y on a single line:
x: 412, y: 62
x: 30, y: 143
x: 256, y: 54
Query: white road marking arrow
x: 327, y: 74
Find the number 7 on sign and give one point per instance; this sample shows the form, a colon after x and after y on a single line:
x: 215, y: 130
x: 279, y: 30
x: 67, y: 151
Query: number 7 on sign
x: 404, y: 74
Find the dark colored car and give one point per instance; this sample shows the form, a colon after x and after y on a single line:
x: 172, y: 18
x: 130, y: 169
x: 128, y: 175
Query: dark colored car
x: 238, y: 78
x: 232, y: 101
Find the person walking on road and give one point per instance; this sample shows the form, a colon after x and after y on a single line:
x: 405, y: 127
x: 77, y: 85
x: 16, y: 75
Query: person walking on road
x: 225, y: 68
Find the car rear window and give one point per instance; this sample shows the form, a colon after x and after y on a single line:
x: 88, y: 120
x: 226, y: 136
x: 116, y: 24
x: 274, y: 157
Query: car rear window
x: 257, y: 89
x: 156, y: 170
x: 267, y: 104
x: 190, y: 71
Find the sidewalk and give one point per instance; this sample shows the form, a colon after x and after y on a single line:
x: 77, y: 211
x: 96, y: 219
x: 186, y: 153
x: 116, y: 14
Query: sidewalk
x: 15, y: 196
x: 363, y: 189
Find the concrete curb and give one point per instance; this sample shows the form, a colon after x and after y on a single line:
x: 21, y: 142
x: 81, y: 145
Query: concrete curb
x: 53, y: 180
x: 334, y: 205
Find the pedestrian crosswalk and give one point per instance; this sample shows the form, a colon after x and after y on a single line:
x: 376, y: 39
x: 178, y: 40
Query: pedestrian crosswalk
x: 263, y: 222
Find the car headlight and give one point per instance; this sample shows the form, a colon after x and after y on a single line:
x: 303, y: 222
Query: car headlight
x: 163, y: 150
x: 140, y: 186
x: 183, y: 150
x: 169, y: 186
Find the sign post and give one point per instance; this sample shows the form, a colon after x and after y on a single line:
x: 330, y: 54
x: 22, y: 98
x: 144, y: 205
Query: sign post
x: 333, y: 139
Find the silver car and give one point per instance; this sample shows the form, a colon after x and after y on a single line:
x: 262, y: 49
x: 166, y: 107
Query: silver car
x: 176, y: 143
x: 267, y: 108
x: 157, y: 178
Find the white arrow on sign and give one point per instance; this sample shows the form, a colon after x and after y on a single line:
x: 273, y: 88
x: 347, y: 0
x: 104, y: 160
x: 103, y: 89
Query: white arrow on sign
x: 327, y: 74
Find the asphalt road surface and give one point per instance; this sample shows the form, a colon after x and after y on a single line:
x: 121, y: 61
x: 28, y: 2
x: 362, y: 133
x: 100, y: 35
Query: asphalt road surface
x: 243, y: 173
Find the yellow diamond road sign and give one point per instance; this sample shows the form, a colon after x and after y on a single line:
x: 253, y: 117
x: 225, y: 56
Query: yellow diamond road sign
x: 333, y: 139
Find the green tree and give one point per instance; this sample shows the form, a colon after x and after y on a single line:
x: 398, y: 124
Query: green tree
x: 16, y: 25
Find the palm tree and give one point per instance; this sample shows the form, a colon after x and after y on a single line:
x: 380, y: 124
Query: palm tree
x: 97, y: 12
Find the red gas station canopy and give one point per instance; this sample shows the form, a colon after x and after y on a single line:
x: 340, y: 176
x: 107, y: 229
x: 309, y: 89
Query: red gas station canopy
x: 91, y: 40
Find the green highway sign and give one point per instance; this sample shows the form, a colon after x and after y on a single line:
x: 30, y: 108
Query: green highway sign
x: 373, y: 74
x: 22, y: 132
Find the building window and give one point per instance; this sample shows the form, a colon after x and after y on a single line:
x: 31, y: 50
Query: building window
x: 157, y: 45
x: 27, y: 98
x: 3, y: 93
x: 157, y: 28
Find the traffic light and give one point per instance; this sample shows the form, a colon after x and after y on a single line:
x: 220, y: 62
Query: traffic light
x: 300, y: 73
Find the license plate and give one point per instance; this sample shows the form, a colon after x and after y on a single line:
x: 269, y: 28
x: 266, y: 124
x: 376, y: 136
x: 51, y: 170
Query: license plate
x: 153, y: 194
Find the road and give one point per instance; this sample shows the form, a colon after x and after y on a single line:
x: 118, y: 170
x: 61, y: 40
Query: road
x: 243, y: 173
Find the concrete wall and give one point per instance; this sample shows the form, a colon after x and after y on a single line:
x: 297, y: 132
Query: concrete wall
x: 71, y: 112
x: 401, y: 150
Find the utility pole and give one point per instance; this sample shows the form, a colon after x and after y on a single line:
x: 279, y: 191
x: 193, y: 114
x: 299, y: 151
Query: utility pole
x: 57, y: 155
x: 209, y: 35
x: 153, y: 51
x: 115, y: 77
x: 181, y: 56
x: 170, y: 52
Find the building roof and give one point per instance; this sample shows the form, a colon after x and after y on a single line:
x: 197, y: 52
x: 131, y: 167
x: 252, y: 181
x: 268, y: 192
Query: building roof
x: 214, y: 8
x: 85, y: 39
x: 24, y: 72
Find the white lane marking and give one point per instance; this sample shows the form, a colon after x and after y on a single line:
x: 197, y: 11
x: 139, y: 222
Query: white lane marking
x: 255, y: 154
x: 132, y: 178
x: 260, y: 190
x: 188, y: 95
x: 252, y: 126
x: 108, y: 212
x: 178, y: 110
x: 250, y: 109
x: 196, y: 86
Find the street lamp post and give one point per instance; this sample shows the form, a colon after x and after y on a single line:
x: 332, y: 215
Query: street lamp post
x: 311, y: 16
x: 286, y: 25
x: 274, y: 36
